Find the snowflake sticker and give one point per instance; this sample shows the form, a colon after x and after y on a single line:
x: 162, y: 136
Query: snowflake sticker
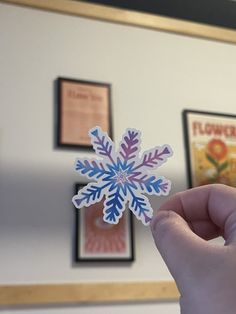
x: 122, y: 176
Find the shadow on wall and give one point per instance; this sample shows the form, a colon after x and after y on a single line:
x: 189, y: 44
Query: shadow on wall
x: 36, y: 203
x: 40, y: 198
x: 36, y: 198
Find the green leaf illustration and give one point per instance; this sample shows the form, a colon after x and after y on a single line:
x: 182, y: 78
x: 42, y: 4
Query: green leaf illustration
x: 223, y: 166
x: 212, y: 160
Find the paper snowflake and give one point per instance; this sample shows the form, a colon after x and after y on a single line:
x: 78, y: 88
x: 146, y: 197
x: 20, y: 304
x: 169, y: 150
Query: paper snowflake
x: 122, y: 176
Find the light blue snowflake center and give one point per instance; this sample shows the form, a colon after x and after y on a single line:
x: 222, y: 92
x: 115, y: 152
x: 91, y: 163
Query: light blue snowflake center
x: 122, y: 176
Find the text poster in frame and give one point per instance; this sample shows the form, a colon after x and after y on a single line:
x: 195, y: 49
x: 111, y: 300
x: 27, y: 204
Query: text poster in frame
x: 82, y: 106
x: 210, y: 140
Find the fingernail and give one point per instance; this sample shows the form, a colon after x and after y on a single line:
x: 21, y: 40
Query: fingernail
x: 160, y: 216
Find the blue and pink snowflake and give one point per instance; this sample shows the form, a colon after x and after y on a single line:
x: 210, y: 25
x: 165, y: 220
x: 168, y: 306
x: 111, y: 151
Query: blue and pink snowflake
x: 122, y: 177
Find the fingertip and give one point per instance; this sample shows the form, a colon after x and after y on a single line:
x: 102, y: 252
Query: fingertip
x: 162, y: 220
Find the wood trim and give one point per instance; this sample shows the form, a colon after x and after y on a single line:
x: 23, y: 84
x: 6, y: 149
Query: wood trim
x: 45, y: 294
x: 133, y: 18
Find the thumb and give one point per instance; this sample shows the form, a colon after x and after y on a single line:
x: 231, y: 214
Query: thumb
x: 180, y: 248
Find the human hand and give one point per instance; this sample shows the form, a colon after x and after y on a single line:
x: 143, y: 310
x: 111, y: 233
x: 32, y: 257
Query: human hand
x: 205, y: 273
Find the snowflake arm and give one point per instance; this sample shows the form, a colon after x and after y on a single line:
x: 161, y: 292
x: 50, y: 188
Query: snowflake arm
x: 91, y: 168
x: 141, y: 207
x: 114, y: 206
x: 155, y: 157
x: 153, y: 185
x: 88, y: 195
x: 102, y: 144
x: 130, y: 145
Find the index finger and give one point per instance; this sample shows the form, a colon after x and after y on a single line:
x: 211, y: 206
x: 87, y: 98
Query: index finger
x: 207, y: 209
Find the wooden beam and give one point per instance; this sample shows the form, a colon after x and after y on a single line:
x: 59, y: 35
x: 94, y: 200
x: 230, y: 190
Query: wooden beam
x: 129, y: 17
x: 45, y: 294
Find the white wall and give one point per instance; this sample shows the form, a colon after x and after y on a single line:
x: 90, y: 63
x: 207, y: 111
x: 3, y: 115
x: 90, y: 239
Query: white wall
x: 154, y: 76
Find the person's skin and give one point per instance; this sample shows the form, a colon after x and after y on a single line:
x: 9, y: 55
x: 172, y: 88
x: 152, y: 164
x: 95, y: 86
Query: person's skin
x: 205, y: 273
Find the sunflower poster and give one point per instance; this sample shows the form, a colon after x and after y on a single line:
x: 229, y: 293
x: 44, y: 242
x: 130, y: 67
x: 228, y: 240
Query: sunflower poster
x: 210, y: 140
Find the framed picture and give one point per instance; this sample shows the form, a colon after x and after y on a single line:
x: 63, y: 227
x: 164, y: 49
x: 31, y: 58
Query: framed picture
x: 82, y: 105
x: 97, y: 240
x: 210, y: 141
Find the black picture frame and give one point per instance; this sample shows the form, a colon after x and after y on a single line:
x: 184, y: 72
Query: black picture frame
x: 81, y: 105
x: 210, y: 147
x: 221, y: 13
x: 128, y: 230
